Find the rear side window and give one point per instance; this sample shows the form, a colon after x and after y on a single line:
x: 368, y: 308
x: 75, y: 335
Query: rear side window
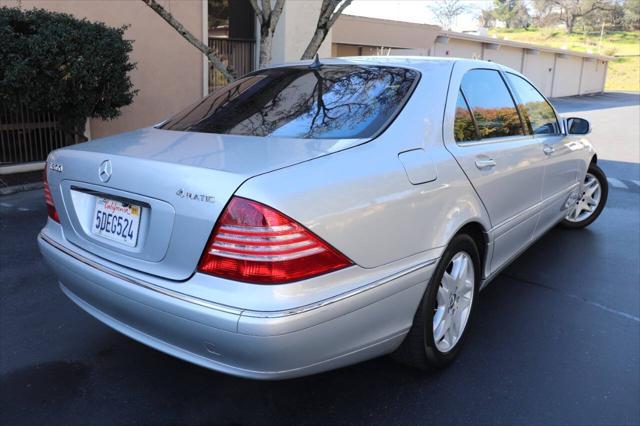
x: 534, y: 107
x: 332, y: 101
x: 491, y: 104
x: 464, y: 129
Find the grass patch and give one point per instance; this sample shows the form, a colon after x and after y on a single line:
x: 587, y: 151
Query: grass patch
x: 623, y: 73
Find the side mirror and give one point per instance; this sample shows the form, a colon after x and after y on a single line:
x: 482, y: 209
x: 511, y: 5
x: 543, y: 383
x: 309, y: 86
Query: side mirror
x: 578, y: 126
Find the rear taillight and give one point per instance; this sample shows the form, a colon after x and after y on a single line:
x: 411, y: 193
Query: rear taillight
x: 254, y: 243
x: 51, y: 208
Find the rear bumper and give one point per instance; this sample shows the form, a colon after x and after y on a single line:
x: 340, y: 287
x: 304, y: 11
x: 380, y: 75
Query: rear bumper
x: 348, y: 328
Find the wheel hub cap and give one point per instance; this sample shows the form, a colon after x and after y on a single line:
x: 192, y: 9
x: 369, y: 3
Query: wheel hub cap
x: 588, y: 202
x: 453, y: 302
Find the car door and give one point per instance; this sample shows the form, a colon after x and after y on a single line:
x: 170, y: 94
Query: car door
x: 561, y: 167
x: 503, y: 161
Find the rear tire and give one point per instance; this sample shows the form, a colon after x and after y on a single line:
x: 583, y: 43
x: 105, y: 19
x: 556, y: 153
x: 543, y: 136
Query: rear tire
x: 429, y: 343
x: 595, y: 191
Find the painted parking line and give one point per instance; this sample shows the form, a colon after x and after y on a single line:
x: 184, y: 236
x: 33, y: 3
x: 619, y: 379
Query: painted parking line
x: 617, y: 183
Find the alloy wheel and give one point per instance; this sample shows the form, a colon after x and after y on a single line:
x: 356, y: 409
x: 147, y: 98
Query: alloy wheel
x: 453, y: 302
x: 588, y: 202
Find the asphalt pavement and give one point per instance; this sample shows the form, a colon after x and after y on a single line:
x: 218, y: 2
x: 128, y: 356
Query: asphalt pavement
x: 556, y: 338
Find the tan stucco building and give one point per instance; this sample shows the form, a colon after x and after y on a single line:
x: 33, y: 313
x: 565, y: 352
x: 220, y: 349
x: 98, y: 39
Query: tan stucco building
x: 171, y: 74
x: 556, y: 72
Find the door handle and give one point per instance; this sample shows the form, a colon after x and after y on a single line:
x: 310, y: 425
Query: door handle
x: 485, y: 163
x: 548, y: 150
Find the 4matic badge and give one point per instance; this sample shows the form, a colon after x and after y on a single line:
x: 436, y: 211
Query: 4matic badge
x: 196, y: 197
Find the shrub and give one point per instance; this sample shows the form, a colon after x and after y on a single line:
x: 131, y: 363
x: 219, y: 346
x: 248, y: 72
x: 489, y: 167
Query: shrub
x: 70, y: 67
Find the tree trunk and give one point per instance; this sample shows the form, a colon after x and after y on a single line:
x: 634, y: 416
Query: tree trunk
x: 212, y: 55
x: 330, y: 10
x: 268, y: 18
x: 266, y: 41
x: 74, y: 130
x: 79, y: 131
x: 315, y: 43
x: 569, y: 23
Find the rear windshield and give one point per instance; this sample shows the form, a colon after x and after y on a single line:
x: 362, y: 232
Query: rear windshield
x: 332, y: 101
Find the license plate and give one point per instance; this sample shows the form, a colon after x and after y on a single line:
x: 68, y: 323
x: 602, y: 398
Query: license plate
x: 116, y: 221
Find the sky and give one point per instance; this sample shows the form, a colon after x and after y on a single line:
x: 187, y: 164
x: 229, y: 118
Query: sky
x: 414, y: 11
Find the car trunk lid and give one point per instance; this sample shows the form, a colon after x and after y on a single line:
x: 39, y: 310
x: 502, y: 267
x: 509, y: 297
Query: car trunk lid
x: 181, y: 181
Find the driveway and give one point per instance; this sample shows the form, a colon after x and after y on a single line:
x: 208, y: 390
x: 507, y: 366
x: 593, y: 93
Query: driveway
x: 556, y: 339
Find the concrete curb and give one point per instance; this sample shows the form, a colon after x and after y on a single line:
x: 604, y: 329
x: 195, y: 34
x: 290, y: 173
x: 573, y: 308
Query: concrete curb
x: 22, y: 168
x: 20, y: 188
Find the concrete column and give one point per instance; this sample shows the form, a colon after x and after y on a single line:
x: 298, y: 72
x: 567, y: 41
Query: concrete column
x: 580, y: 81
x: 604, y: 75
x: 205, y: 40
x: 295, y: 28
x: 553, y: 74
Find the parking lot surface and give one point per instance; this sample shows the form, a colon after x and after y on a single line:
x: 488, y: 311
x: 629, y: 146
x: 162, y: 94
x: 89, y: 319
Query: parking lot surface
x: 556, y: 338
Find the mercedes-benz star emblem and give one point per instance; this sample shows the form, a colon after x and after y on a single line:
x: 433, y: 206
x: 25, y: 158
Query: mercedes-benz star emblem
x: 104, y: 172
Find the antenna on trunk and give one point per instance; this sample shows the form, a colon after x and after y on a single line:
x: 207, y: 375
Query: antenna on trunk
x: 316, y: 63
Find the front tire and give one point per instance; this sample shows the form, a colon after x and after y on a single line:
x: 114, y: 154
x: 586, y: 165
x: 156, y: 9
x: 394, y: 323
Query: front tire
x: 441, y: 322
x: 595, y: 191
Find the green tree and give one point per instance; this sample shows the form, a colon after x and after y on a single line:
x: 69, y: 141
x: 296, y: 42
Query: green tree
x: 572, y: 10
x: 72, y: 68
x: 512, y: 12
x: 632, y: 14
x: 486, y: 18
x: 610, y: 16
x: 545, y: 14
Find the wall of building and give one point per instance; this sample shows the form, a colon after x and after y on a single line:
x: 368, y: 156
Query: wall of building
x: 538, y: 67
x: 593, y: 76
x: 169, y: 73
x: 295, y: 28
x: 566, y: 81
x: 554, y: 74
x: 505, y: 55
x: 378, y: 33
x: 455, y: 48
x: 409, y: 52
x: 338, y: 49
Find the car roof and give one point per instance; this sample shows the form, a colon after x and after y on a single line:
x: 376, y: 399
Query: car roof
x: 419, y: 62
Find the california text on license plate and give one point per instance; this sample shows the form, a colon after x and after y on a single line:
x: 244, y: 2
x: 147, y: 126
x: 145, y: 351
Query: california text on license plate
x: 116, y: 221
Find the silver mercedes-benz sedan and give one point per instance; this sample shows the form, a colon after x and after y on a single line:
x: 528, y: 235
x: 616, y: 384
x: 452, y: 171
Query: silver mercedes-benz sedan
x: 313, y: 215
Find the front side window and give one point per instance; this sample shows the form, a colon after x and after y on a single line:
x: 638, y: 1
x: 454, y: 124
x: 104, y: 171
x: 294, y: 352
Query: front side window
x: 535, y: 108
x: 332, y: 101
x: 464, y: 129
x: 491, y: 104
